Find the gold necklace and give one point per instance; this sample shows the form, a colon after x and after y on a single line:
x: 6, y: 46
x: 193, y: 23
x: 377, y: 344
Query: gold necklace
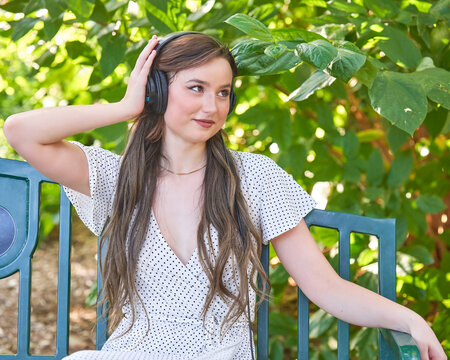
x: 187, y: 173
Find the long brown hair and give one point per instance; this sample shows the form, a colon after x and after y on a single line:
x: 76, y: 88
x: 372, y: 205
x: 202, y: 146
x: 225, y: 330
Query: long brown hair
x: 221, y: 187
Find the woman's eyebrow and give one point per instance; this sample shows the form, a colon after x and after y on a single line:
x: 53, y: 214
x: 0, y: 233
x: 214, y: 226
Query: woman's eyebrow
x: 205, y: 82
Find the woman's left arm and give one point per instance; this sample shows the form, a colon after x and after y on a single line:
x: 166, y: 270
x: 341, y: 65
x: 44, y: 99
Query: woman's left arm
x: 303, y: 260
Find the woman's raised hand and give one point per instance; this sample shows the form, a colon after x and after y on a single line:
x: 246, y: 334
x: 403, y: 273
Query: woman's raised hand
x: 134, y: 98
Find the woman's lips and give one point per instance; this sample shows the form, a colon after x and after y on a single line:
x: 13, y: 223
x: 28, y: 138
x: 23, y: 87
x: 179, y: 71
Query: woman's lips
x: 204, y: 123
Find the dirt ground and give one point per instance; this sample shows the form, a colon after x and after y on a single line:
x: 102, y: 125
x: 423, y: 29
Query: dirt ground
x: 43, y: 296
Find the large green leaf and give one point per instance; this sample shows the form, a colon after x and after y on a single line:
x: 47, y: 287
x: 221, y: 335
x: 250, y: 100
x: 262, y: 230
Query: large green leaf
x: 397, y: 97
x: 318, y: 52
x: 430, y: 204
x: 81, y: 8
x: 251, y: 59
x: 399, y: 47
x: 318, y: 80
x: 250, y: 26
x: 347, y: 62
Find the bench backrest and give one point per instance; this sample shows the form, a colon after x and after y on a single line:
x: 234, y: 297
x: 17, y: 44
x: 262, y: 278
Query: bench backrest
x: 19, y: 223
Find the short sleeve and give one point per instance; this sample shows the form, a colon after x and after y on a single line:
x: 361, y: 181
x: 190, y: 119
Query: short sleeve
x: 282, y: 202
x: 103, y: 170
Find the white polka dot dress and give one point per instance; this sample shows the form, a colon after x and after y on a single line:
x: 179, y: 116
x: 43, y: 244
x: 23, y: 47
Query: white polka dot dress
x: 174, y: 294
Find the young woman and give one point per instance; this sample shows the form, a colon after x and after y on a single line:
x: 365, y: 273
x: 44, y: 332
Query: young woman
x: 185, y: 217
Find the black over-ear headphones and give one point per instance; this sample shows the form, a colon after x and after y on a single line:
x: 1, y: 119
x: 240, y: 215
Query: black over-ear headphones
x: 157, y: 91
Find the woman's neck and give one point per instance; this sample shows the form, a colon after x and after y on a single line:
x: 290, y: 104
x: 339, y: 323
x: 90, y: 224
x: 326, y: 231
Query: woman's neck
x: 184, y: 157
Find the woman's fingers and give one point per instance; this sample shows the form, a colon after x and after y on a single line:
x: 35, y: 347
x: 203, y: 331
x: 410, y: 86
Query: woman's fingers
x: 148, y: 63
x: 144, y: 55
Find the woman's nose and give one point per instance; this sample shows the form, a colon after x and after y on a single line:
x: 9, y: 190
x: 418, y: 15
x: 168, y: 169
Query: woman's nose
x: 209, y: 103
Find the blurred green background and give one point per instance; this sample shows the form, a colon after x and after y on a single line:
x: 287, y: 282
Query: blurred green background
x: 351, y: 98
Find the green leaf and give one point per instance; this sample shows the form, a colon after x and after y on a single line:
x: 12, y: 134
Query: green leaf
x: 22, y: 26
x: 375, y: 169
x: 365, y: 343
x: 369, y: 135
x: 347, y: 61
x: 52, y: 26
x: 430, y: 204
x: 112, y: 54
x: 382, y: 8
x: 436, y: 84
x: 113, y: 5
x: 348, y: 7
x: 400, y: 170
x: 81, y: 8
x: 250, y: 26
x: 275, y: 50
x: 440, y: 9
x: 251, y: 59
x: 368, y: 280
x: 319, y: 323
x: 318, y: 80
x: 100, y: 14
x: 419, y: 253
x: 282, y: 324
x: 397, y: 97
x: 55, y: 8
x: 350, y: 144
x: 318, y: 52
x: 399, y: 48
x: 46, y: 59
x: 294, y: 34
x: 17, y: 6
x: 33, y: 6
x: 366, y: 257
x: 367, y: 73
x: 77, y: 48
x: 396, y: 137
x: 279, y: 275
x: 159, y: 19
x: 276, y: 350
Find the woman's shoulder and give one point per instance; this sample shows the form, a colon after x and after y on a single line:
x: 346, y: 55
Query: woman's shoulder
x: 256, y: 164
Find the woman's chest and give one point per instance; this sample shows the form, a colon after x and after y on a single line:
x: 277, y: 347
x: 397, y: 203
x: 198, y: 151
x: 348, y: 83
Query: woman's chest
x: 177, y: 211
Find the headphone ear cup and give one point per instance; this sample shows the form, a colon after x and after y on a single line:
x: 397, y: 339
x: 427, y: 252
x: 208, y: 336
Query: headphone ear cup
x: 157, y: 91
x: 232, y: 101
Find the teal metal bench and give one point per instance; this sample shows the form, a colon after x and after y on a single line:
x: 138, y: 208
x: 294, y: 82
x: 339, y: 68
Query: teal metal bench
x: 19, y: 223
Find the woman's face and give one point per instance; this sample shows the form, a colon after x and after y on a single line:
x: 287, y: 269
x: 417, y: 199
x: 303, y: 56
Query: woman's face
x: 198, y: 102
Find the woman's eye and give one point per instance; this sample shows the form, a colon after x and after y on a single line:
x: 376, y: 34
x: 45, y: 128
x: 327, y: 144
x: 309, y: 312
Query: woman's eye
x: 196, y: 88
x: 225, y: 93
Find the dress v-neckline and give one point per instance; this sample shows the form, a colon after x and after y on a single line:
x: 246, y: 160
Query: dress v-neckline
x: 191, y: 259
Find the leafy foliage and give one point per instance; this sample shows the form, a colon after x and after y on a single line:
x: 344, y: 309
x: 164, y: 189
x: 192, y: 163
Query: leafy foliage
x: 351, y: 98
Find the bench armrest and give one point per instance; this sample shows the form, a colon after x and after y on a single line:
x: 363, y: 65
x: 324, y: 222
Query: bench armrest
x: 401, y: 344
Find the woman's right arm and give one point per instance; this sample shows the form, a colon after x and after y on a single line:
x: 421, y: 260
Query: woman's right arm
x: 38, y: 135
